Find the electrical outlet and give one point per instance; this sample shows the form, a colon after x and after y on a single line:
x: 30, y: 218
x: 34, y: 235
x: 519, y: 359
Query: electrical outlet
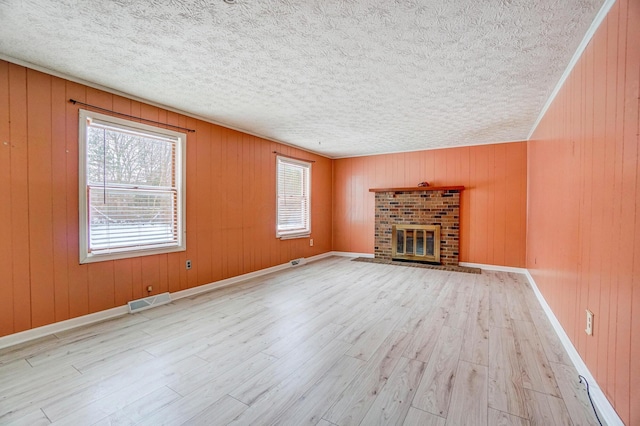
x: 188, y: 264
x: 310, y: 242
x: 589, y: 329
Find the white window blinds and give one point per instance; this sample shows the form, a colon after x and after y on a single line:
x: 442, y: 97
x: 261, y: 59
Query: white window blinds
x: 293, y: 197
x: 133, y: 183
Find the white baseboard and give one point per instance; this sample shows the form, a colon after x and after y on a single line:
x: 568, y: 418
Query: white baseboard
x: 244, y: 277
x: 46, y: 330
x: 494, y: 267
x: 606, y: 411
x: 57, y: 327
x: 351, y: 254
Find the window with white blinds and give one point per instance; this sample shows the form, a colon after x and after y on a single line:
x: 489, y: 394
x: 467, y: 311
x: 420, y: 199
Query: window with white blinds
x: 293, y: 198
x: 132, y: 197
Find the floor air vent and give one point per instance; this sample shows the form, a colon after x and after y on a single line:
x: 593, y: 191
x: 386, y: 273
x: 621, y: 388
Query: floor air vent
x: 149, y: 302
x: 297, y: 262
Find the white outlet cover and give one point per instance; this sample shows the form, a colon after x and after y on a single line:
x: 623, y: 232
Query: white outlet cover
x: 589, y: 329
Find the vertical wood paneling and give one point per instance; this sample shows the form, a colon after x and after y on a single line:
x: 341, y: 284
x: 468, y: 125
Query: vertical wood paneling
x: 492, y: 226
x: 233, y: 220
x: 341, y: 211
x: 101, y: 286
x: 248, y: 199
x: 584, y: 178
x: 78, y: 289
x: 59, y: 198
x: 634, y: 369
x: 263, y: 235
x: 500, y: 196
x: 489, y: 193
x: 371, y: 202
x: 514, y: 190
x: 602, y: 178
x: 230, y: 207
x: 6, y: 248
x: 615, y: 106
x: 19, y: 198
x: 606, y: 94
x: 123, y: 279
x: 40, y: 196
x: 177, y: 274
x: 203, y: 209
x: 630, y: 215
x: 440, y: 167
x: 474, y: 200
x: 192, y: 205
x: 322, y: 201
x: 270, y: 215
x: 136, y: 278
x: 358, y: 215
x: 214, y: 234
x: 465, y: 202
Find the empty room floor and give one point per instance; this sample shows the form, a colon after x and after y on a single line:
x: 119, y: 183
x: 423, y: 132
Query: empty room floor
x: 334, y: 342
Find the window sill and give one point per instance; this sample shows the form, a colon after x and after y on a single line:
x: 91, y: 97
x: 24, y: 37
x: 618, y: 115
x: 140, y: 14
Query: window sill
x: 294, y: 236
x: 88, y: 258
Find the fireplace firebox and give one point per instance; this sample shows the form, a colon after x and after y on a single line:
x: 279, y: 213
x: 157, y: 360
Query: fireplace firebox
x: 416, y: 243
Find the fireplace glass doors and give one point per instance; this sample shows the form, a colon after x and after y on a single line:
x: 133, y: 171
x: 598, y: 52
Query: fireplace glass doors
x: 416, y: 242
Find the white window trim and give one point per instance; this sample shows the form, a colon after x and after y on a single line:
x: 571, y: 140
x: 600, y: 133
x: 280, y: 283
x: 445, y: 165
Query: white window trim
x: 289, y: 235
x: 181, y: 150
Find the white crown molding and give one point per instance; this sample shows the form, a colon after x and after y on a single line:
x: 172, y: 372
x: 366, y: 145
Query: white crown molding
x: 597, y: 21
x: 429, y: 149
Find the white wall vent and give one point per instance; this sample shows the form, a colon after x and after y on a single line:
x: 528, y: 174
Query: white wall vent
x: 149, y: 302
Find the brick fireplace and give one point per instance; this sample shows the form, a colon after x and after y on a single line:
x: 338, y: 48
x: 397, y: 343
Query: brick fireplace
x: 418, y: 206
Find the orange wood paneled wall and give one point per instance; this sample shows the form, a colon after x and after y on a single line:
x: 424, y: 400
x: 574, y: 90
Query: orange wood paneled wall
x: 230, y: 207
x: 493, y: 205
x: 583, y: 246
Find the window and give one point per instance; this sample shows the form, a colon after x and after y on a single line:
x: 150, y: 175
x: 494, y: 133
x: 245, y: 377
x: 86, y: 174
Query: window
x: 293, y: 198
x: 132, y: 196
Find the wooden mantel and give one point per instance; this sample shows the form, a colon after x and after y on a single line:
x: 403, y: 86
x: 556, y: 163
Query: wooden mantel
x: 418, y: 188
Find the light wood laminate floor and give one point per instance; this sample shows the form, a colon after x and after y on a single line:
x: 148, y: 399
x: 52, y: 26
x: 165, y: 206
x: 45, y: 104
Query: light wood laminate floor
x: 334, y: 342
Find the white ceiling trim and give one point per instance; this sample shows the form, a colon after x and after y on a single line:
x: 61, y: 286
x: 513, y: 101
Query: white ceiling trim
x: 341, y: 77
x: 432, y: 149
x: 207, y: 120
x: 595, y: 25
x: 600, y: 17
x: 145, y: 101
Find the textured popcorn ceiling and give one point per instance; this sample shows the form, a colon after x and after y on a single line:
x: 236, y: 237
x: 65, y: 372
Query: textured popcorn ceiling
x: 339, y: 77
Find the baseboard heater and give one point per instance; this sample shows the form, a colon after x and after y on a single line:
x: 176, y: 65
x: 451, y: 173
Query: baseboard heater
x: 149, y: 302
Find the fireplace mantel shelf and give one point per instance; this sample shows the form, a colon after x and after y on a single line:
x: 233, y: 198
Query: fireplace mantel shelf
x: 418, y: 188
